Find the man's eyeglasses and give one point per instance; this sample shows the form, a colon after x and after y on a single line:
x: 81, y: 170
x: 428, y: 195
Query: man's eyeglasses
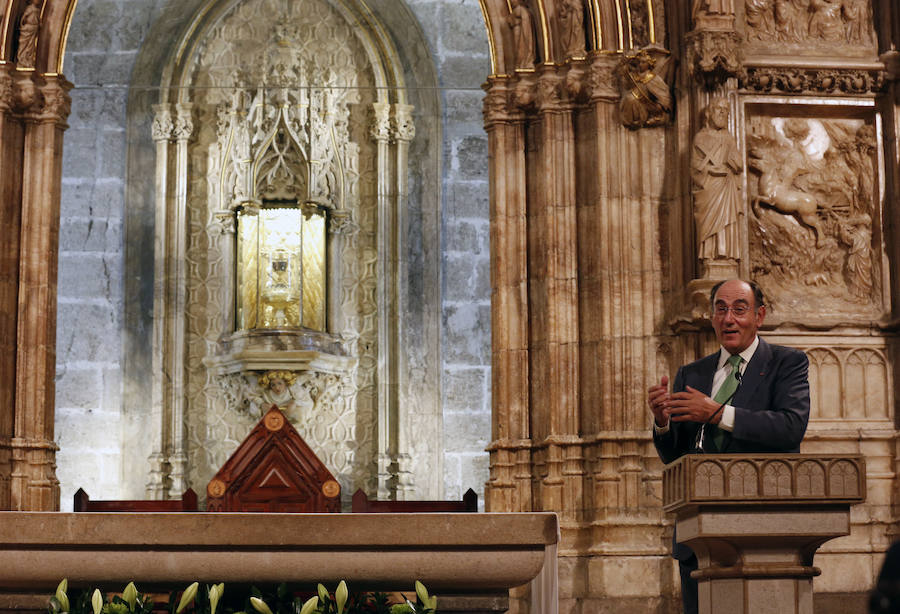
x: 737, y: 310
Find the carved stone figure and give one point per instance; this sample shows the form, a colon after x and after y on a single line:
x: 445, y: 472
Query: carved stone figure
x: 29, y: 24
x: 825, y: 22
x: 857, y: 235
x: 832, y: 22
x: 571, y: 16
x: 790, y: 20
x: 716, y: 172
x: 856, y: 21
x: 523, y: 34
x: 760, y: 20
x: 713, y: 7
x: 645, y: 97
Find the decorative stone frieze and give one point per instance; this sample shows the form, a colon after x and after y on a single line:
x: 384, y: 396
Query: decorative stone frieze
x: 741, y: 479
x: 789, y: 80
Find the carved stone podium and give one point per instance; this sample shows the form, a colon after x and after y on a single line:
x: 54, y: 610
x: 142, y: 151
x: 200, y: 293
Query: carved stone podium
x: 755, y: 522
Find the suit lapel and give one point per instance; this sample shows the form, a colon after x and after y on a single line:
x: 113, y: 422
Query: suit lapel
x: 702, y: 378
x: 754, y: 374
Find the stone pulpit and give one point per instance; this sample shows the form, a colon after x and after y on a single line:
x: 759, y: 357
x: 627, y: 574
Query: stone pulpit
x: 755, y: 522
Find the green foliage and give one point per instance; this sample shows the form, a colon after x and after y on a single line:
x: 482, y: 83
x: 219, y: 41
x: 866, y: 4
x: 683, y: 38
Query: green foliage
x: 214, y: 599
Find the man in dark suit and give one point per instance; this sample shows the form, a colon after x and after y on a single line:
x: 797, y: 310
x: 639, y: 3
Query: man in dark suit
x: 748, y: 397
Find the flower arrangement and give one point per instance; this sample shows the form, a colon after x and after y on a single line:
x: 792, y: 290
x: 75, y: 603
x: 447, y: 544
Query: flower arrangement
x: 211, y: 599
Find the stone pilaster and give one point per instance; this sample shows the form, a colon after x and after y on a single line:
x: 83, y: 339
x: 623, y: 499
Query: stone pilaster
x: 34, y: 485
x: 11, y: 144
x: 509, y: 486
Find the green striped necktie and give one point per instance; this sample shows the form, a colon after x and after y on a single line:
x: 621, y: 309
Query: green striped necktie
x: 729, y: 386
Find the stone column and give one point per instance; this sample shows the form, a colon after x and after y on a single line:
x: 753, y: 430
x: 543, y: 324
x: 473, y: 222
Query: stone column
x: 553, y: 292
x: 509, y: 486
x: 183, y: 131
x: 403, y: 130
x: 12, y: 137
x: 34, y: 485
x: 163, y: 126
x: 387, y: 298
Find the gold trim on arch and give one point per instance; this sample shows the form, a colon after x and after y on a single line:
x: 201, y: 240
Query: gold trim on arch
x: 544, y: 32
x: 651, y: 22
x: 620, y: 46
x: 7, y: 17
x: 597, y: 29
x: 70, y: 12
x: 490, y: 34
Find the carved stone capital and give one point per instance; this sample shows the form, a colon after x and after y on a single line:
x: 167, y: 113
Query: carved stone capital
x: 404, y: 128
x: 496, y: 101
x: 340, y: 222
x: 224, y: 222
x: 163, y: 127
x: 602, y: 79
x: 550, y: 93
x: 57, y: 102
x: 380, y: 128
x: 27, y: 97
x: 524, y: 94
x: 7, y: 89
x: 183, y: 128
x: 891, y: 61
x: 714, y: 55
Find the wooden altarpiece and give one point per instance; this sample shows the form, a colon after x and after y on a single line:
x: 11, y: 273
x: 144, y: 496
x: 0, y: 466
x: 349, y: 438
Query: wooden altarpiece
x: 273, y: 470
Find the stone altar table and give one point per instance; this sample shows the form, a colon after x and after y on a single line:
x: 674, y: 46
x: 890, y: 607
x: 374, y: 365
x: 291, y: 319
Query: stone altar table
x: 755, y: 522
x: 449, y: 552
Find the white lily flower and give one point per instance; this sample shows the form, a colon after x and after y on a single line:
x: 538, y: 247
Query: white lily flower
x: 187, y: 597
x: 310, y: 605
x: 130, y: 595
x: 61, y: 596
x: 97, y: 601
x: 259, y: 605
x: 340, y: 596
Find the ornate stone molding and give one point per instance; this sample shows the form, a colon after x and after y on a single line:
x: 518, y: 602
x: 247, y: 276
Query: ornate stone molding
x: 380, y: 127
x: 403, y: 126
x: 163, y: 127
x: 57, y: 102
x: 812, y: 80
x: 763, y: 478
x: 183, y: 126
x: 340, y: 222
x: 714, y: 55
x: 7, y: 89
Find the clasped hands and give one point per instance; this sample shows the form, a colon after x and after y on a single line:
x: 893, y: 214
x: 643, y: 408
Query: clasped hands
x: 691, y: 405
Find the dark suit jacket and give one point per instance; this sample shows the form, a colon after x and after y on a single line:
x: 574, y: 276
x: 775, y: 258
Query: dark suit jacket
x: 771, y: 406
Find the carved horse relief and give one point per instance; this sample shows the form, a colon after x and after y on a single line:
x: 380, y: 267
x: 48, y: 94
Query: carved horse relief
x: 813, y: 213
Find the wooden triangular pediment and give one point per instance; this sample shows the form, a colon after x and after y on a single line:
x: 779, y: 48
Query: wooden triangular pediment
x: 273, y: 470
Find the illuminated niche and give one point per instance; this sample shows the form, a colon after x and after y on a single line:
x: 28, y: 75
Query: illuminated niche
x: 281, y: 266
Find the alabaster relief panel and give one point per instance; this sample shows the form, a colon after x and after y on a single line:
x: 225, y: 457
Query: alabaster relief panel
x: 808, y: 27
x: 289, y: 86
x: 815, y: 213
x: 849, y: 383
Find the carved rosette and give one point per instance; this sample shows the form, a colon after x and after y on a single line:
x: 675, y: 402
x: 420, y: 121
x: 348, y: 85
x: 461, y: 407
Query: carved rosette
x: 714, y: 55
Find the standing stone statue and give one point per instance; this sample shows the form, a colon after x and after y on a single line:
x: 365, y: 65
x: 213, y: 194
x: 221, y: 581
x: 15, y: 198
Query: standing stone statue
x: 29, y: 24
x: 523, y: 34
x: 716, y: 172
x: 571, y: 16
